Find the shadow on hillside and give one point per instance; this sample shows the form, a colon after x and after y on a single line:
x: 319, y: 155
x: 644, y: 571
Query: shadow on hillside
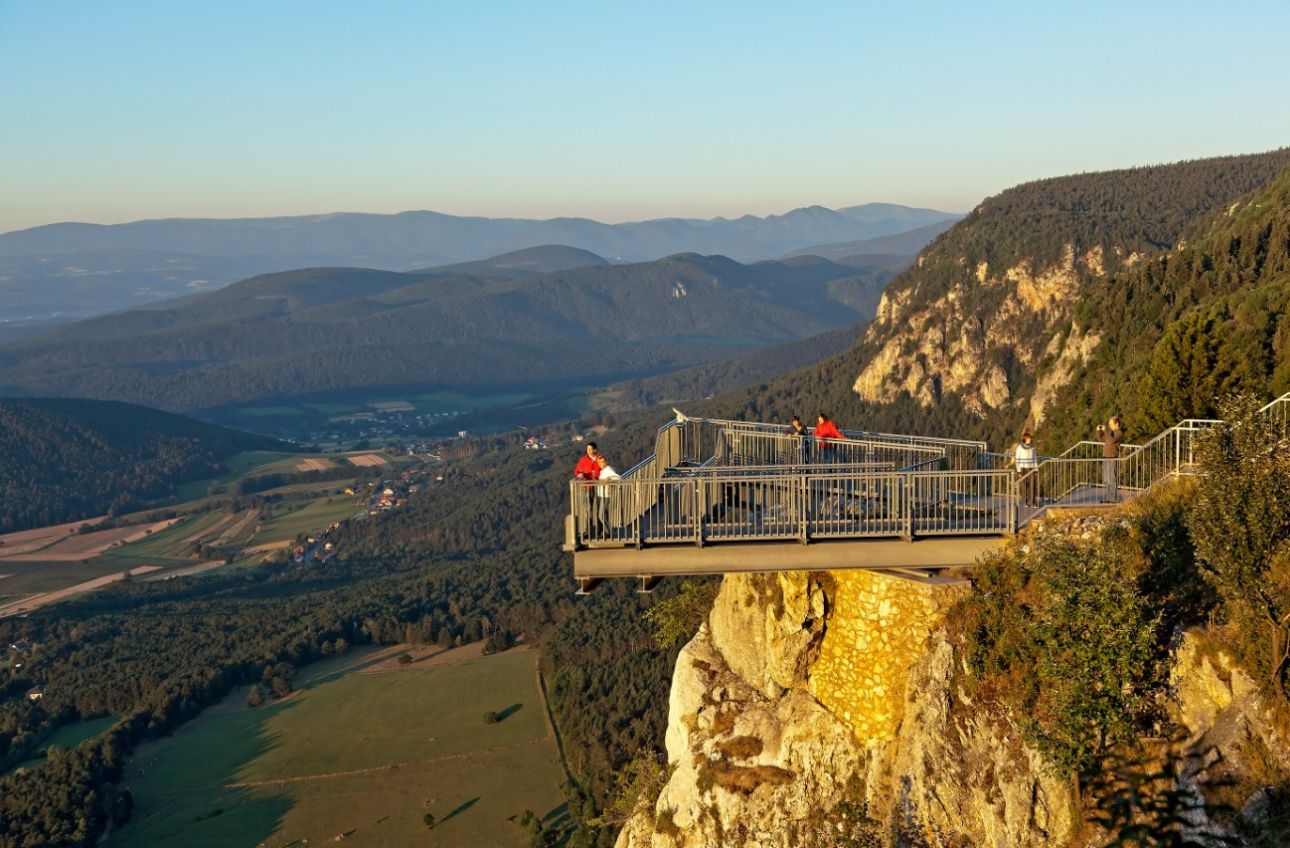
x: 557, y: 817
x: 509, y: 711
x: 185, y: 786
x: 461, y: 808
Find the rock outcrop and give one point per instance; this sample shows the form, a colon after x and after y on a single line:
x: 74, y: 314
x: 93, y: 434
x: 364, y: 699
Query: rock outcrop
x: 822, y: 710
x: 813, y: 707
x: 956, y: 342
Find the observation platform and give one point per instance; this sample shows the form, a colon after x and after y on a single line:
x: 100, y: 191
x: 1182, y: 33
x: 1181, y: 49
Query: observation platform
x: 721, y: 497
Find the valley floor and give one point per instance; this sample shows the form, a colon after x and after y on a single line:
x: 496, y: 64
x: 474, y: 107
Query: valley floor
x: 363, y: 752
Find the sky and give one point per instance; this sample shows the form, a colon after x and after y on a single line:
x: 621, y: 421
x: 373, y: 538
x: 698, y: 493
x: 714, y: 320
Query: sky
x: 116, y: 111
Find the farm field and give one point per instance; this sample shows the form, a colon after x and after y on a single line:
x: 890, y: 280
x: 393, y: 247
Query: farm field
x: 314, y: 515
x: 75, y: 561
x: 32, y: 578
x: 364, y: 755
x: 13, y: 545
x: 25, y: 603
x: 77, y: 547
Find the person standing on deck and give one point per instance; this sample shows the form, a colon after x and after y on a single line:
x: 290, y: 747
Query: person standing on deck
x: 1111, y: 435
x: 825, y: 432
x: 587, y: 470
x: 1025, y: 458
x: 587, y: 467
x: 604, y: 492
x: 799, y: 442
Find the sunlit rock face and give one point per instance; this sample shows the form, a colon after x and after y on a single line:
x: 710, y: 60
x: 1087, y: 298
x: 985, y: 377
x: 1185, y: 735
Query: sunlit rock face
x: 954, y: 343
x: 813, y: 707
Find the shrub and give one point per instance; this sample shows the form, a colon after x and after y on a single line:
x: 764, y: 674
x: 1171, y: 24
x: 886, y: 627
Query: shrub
x: 1240, y: 524
x: 1067, y: 637
x: 677, y: 618
x: 636, y: 787
x: 491, y: 717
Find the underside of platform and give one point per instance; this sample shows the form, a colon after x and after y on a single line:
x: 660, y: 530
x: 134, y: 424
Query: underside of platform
x: 931, y: 553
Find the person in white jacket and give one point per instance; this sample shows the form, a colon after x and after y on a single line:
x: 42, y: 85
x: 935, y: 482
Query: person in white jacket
x: 604, y: 494
x: 1025, y: 458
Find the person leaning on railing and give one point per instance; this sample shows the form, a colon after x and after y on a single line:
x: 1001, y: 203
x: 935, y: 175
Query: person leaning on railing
x: 1111, y: 435
x: 825, y: 432
x: 604, y: 493
x: 799, y: 442
x: 586, y: 471
x: 1025, y: 458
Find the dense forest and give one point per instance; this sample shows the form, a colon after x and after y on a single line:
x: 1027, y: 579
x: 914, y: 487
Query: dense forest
x: 1193, y: 325
x: 63, y: 460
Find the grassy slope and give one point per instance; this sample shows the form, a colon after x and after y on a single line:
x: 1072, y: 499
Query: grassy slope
x: 69, y: 736
x: 420, y: 731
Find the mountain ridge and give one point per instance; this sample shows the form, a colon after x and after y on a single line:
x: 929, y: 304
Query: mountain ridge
x: 444, y: 239
x: 319, y: 330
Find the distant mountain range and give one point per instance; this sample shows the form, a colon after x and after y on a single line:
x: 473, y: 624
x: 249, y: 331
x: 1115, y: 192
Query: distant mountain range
x: 862, y: 252
x: 520, y: 318
x: 72, y: 270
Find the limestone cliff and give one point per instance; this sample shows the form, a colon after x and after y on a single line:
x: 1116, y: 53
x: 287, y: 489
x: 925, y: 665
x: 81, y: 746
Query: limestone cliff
x: 821, y: 710
x: 815, y: 709
x: 989, y: 313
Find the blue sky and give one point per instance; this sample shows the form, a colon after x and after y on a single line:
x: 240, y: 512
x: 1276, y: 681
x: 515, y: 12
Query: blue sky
x: 120, y: 110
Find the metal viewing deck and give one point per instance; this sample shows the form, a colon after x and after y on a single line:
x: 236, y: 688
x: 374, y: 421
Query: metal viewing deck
x: 723, y: 496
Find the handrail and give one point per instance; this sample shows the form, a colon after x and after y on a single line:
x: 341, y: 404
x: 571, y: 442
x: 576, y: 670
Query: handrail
x: 827, y: 502
x: 712, y: 480
x: 802, y: 467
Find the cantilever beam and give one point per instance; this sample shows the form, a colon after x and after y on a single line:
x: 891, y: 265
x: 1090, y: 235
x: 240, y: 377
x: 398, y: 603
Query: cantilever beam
x: 591, y: 566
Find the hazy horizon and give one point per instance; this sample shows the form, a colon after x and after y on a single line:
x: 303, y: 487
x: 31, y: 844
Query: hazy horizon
x: 133, y: 111
x: 335, y: 213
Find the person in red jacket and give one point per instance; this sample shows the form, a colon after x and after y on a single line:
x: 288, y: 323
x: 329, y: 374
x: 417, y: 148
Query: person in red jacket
x: 588, y: 468
x: 825, y: 432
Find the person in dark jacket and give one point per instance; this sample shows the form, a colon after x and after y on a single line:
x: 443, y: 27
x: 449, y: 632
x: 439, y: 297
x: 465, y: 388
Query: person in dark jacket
x: 799, y: 442
x: 1111, y: 435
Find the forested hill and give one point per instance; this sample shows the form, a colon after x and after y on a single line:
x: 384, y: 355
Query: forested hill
x: 1043, y: 308
x: 321, y: 330
x: 64, y: 460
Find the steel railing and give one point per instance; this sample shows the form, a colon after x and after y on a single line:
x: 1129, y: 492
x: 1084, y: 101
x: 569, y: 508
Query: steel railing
x: 717, y: 480
x: 1279, y: 411
x: 721, y: 505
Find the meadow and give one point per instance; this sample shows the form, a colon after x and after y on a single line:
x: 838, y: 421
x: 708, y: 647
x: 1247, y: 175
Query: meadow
x: 365, y: 754
x: 68, y: 737
x: 311, y: 516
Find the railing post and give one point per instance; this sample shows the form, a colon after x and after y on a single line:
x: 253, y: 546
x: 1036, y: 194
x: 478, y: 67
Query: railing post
x: 701, y: 509
x: 638, y: 510
x: 805, y: 491
x: 907, y: 507
x: 1013, y: 500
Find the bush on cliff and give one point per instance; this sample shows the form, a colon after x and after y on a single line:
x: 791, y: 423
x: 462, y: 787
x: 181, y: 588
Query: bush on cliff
x: 1240, y: 524
x: 1070, y: 630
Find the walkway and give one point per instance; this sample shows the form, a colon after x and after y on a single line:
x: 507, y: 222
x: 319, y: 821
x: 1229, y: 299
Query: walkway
x: 722, y: 496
